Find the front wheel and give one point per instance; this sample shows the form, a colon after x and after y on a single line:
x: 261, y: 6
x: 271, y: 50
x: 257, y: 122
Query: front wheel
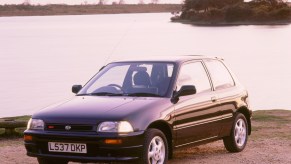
x: 155, y: 149
x: 237, y: 140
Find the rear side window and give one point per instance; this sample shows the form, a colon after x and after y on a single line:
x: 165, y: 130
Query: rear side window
x: 194, y: 74
x: 221, y: 77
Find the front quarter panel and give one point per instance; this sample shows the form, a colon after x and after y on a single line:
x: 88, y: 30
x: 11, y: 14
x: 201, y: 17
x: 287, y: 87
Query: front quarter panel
x: 147, y: 114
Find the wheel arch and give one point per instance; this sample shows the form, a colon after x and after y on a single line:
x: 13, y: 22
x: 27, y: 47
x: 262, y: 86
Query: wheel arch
x: 248, y: 114
x: 167, y: 130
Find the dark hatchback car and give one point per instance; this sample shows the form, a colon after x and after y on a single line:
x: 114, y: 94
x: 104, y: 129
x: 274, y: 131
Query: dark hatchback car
x: 142, y: 110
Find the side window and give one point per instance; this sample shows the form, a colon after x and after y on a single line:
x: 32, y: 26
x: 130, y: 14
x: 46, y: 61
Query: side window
x: 221, y: 77
x: 170, y: 68
x: 194, y: 74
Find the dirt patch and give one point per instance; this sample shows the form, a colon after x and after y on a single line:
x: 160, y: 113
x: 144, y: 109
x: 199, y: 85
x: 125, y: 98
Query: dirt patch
x: 256, y: 152
x: 12, y: 151
x: 270, y: 142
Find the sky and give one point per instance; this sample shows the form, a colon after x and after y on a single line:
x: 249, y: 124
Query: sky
x: 81, y: 1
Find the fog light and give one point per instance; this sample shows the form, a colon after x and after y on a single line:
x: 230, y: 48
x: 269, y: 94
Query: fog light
x: 27, y: 138
x: 113, y: 141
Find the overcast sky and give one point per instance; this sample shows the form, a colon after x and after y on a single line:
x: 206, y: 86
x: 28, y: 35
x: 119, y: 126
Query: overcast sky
x: 81, y: 1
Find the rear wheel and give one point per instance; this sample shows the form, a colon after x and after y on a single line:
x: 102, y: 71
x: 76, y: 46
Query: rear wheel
x: 237, y: 140
x: 51, y: 161
x: 155, y: 147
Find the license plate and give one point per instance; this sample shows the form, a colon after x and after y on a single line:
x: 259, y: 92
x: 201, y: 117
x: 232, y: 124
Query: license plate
x: 67, y: 147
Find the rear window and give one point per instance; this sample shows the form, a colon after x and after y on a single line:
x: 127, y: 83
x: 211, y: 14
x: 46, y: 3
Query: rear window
x: 220, y: 75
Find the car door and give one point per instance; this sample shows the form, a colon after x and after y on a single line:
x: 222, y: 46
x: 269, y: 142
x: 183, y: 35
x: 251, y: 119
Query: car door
x: 228, y: 93
x: 196, y: 116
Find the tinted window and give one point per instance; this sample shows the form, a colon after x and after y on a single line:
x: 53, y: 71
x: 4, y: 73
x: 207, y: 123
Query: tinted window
x: 147, y: 68
x: 126, y: 79
x: 194, y: 74
x: 115, y: 75
x: 221, y: 77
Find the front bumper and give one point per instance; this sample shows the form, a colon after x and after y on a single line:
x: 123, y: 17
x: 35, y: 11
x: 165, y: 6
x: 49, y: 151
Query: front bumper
x: 97, y: 150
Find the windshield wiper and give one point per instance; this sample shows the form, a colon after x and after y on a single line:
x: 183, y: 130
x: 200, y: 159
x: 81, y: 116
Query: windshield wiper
x: 143, y: 94
x: 139, y: 94
x: 101, y: 94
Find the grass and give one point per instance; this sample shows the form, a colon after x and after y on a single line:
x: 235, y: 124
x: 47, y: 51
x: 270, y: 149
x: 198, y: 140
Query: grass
x: 268, y: 124
x: 17, y: 118
x: 279, y: 116
x: 18, y: 130
x: 19, y: 133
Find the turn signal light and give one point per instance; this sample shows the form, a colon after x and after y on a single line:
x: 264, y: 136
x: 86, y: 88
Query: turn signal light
x: 113, y: 141
x: 27, y: 138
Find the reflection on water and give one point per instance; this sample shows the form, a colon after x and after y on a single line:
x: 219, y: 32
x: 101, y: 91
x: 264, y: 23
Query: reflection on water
x: 41, y: 57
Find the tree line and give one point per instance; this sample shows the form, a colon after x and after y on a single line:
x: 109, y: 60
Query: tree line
x: 103, y: 2
x: 236, y: 11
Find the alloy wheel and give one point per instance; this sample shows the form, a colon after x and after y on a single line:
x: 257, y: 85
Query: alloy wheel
x: 240, y: 132
x: 156, y: 151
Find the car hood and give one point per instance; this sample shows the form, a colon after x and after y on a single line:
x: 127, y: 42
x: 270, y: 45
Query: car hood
x: 93, y: 109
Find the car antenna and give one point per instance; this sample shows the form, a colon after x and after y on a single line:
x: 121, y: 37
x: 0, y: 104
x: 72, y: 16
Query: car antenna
x: 119, y: 41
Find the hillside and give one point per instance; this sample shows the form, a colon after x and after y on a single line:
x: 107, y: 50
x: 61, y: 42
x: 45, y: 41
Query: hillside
x: 29, y: 10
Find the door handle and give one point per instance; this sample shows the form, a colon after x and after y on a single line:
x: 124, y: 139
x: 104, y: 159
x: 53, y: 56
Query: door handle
x: 213, y: 99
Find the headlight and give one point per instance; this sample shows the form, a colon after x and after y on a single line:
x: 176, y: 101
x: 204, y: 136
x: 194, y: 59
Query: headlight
x: 119, y: 127
x: 35, y: 124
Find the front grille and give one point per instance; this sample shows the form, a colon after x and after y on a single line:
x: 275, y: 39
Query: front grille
x: 62, y: 127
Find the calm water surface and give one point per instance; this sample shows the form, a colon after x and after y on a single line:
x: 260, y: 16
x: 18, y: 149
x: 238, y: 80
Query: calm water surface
x: 42, y: 57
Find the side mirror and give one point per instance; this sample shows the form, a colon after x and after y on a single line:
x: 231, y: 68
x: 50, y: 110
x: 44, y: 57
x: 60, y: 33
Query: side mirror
x: 76, y: 88
x: 185, y: 90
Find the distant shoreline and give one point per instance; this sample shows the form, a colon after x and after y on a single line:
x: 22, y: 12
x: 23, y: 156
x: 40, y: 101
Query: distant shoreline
x: 48, y: 10
x: 217, y: 24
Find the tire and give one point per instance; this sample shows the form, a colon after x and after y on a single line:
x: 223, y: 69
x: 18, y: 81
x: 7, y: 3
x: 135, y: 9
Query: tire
x: 155, y: 149
x: 238, y: 138
x: 51, y: 161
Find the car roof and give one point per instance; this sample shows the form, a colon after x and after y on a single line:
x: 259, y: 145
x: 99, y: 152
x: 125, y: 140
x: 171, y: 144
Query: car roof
x: 176, y: 59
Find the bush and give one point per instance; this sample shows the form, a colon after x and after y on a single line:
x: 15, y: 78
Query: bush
x: 239, y: 12
x: 24, y: 7
x: 217, y: 14
x: 261, y: 13
x: 236, y: 11
x: 281, y: 14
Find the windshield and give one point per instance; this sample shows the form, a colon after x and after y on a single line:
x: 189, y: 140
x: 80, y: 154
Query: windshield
x: 131, y: 79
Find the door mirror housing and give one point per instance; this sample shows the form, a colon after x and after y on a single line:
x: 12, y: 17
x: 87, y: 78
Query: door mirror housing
x: 186, y: 90
x: 76, y: 88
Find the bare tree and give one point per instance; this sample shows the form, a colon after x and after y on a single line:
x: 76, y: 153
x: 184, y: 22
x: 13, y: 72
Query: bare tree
x: 26, y: 2
x: 121, y: 2
x: 155, y: 1
x: 141, y: 2
x: 101, y: 2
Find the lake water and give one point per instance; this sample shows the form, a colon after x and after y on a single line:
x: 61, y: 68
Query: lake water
x: 42, y: 57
